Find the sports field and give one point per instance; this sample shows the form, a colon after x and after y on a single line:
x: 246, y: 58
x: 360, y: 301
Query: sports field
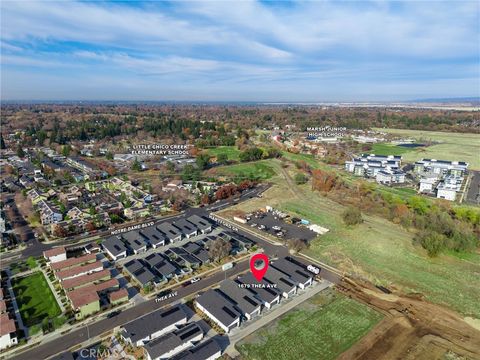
x: 321, y: 328
x: 232, y: 152
x: 451, y: 146
x: 389, y: 149
x: 35, y: 299
x: 261, y: 170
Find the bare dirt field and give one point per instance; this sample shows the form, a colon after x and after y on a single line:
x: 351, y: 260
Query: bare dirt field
x: 413, y: 328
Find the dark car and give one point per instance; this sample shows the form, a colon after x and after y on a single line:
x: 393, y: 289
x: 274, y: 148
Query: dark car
x: 113, y: 314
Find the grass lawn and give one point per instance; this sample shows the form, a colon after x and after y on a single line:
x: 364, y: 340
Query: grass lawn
x: 260, y: 169
x: 321, y: 328
x: 35, y: 299
x: 232, y: 152
x: 389, y: 149
x: 452, y: 146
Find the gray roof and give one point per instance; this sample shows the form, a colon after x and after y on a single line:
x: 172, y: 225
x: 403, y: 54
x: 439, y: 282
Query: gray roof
x: 140, y: 272
x: 296, y: 272
x: 114, y: 245
x: 274, y: 276
x: 216, y: 305
x: 134, y: 240
x: 170, y: 231
x: 200, y: 222
x: 266, y: 293
x: 202, y: 351
x: 198, y: 251
x: 181, y: 253
x: 171, y: 341
x: 161, y: 265
x: 185, y: 226
x: 153, y: 235
x: 239, y: 297
x: 151, y: 323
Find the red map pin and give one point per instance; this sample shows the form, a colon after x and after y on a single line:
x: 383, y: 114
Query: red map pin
x: 259, y: 266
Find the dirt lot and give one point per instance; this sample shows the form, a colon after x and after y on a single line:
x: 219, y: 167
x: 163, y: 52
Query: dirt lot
x: 412, y: 329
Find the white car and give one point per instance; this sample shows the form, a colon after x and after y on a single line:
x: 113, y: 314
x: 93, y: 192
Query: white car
x: 194, y: 280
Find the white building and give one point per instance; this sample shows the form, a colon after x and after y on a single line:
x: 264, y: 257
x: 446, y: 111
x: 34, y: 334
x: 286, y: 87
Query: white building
x: 388, y: 177
x: 55, y: 255
x: 8, y: 335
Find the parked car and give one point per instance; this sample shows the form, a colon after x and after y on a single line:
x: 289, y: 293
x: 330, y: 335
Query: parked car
x: 113, y: 314
x: 194, y: 280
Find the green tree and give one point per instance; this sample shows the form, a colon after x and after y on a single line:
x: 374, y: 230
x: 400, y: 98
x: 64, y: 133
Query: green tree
x: 222, y: 158
x: 202, y: 161
x: 136, y: 166
x: 300, y: 178
x: 352, y: 216
x: 20, y: 151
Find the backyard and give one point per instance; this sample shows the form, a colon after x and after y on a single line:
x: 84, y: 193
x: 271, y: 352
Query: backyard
x: 321, y: 328
x: 35, y: 299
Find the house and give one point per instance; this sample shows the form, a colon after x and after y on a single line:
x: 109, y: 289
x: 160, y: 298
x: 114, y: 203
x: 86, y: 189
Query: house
x: 207, y: 350
x: 284, y: 284
x: 449, y: 187
x: 73, y: 262
x: 79, y: 271
x: 115, y: 248
x: 8, y: 335
x: 202, y: 224
x: 55, y: 255
x: 221, y: 312
x: 135, y: 242
x: 172, y: 233
x: 243, y: 301
x: 186, y: 228
x: 197, y: 251
x: 85, y: 280
x: 118, y: 296
x: 86, y: 301
x: 80, y: 164
x: 370, y: 164
x: 151, y: 326
x: 182, y: 257
x: 49, y: 214
x: 160, y: 265
x: 154, y: 237
x: 263, y: 291
x: 140, y: 273
x: 296, y: 272
x: 171, y: 344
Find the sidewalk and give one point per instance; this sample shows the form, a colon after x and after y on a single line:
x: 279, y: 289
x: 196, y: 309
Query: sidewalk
x: 266, y: 318
x: 21, y: 326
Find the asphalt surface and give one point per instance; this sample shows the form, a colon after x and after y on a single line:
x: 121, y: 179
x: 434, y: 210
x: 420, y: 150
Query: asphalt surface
x: 473, y: 192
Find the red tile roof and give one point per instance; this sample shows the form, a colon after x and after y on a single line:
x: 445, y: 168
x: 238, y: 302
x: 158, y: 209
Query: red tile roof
x: 55, y: 251
x: 73, y: 262
x: 3, y: 306
x: 88, y: 294
x: 65, y: 274
x: 116, y: 295
x: 7, y: 325
x: 84, y: 279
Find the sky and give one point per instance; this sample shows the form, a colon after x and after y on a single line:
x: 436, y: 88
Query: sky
x: 289, y: 51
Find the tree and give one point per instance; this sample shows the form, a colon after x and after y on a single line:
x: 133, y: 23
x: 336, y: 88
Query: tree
x: 352, y: 216
x: 136, y: 165
x: 202, y: 161
x: 296, y: 245
x: 2, y: 142
x: 170, y: 166
x: 219, y: 249
x: 433, y: 242
x: 222, y: 158
x: 109, y: 156
x: 20, y: 151
x: 59, y: 231
x: 300, y: 178
x: 66, y: 149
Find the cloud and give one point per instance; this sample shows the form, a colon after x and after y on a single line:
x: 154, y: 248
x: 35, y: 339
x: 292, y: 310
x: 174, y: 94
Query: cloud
x: 293, y: 48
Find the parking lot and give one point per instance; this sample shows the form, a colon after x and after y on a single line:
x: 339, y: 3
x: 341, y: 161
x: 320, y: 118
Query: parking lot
x: 272, y: 223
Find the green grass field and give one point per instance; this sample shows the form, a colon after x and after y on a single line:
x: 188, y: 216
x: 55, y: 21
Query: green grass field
x: 231, y: 151
x: 321, y: 328
x: 389, y: 149
x: 451, y: 146
x: 35, y: 299
x: 262, y: 170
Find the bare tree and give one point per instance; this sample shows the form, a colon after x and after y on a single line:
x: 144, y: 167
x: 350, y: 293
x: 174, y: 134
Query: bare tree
x: 219, y: 249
